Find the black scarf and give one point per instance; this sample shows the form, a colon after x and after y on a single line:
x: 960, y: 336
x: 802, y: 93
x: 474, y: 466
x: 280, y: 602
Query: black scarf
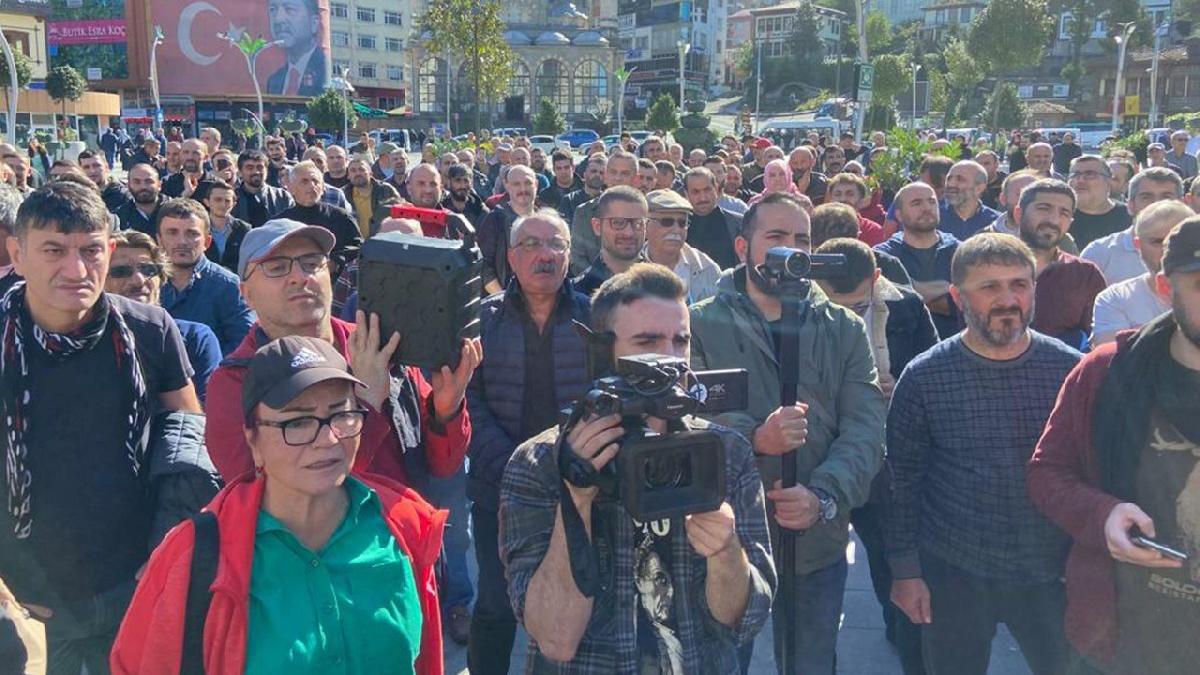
x: 1131, y: 391
x: 16, y: 330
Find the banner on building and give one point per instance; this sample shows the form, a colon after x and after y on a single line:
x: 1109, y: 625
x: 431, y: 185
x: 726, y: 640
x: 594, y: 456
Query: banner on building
x: 206, y: 42
x: 89, y: 36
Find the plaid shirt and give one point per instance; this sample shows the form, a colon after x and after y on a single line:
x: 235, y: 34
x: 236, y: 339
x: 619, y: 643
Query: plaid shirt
x: 344, y: 287
x: 528, y: 505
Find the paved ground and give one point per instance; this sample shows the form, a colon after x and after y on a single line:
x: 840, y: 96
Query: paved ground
x: 862, y: 648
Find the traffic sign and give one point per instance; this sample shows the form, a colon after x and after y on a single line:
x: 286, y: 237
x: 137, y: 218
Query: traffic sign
x: 864, y: 81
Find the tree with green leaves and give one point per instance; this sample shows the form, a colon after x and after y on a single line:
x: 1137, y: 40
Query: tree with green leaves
x: 879, y: 34
x: 1009, y: 35
x: 1083, y: 15
x: 474, y: 30
x: 893, y: 74
x: 548, y: 119
x: 331, y: 110
x: 804, y: 44
x: 1005, y: 107
x: 963, y: 75
x: 24, y: 68
x: 63, y: 84
x: 664, y: 115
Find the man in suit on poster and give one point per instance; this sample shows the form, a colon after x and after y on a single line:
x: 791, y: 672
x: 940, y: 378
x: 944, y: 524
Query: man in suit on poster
x: 297, y: 24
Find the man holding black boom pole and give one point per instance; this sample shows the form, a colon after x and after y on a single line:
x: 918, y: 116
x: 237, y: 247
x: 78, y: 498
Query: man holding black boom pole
x: 831, y: 432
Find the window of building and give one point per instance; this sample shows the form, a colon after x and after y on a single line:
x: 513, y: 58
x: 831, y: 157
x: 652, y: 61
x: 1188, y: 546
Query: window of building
x: 366, y: 70
x: 339, y: 38
x: 519, y: 84
x: 366, y: 42
x: 340, y: 66
x: 642, y: 42
x: 774, y: 49
x: 431, y: 86
x: 554, y: 83
x: 366, y: 14
x: 393, y: 18
x: 591, y: 85
x: 395, y: 73
x: 339, y: 10
x: 393, y: 44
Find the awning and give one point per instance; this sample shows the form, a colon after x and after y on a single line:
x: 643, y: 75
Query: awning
x: 365, y: 111
x: 400, y: 111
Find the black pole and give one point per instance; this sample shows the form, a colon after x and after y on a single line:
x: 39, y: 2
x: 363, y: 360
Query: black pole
x: 794, y: 300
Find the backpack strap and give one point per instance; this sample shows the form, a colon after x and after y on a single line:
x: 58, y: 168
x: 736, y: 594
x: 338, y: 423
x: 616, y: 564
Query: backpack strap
x: 205, y: 553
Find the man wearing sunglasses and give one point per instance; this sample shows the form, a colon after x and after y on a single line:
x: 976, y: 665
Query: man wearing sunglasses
x: 666, y: 244
x: 619, y: 224
x: 285, y: 278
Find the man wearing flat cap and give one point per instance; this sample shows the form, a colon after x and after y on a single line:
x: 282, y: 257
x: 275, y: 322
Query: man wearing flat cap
x: 666, y: 244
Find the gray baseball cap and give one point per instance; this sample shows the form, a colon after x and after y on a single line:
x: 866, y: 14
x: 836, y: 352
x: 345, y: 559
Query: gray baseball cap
x: 262, y: 241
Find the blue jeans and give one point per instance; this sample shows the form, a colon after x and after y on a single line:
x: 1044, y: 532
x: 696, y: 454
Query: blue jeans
x: 818, y: 613
x: 451, y: 494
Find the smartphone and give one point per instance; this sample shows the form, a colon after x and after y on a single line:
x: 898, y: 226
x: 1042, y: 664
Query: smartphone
x: 1143, y: 541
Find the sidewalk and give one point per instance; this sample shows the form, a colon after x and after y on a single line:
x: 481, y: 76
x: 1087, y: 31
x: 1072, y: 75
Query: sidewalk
x: 862, y: 648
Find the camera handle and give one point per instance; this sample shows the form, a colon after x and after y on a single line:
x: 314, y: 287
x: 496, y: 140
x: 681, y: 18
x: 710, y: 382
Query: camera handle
x: 795, y: 298
x: 585, y: 564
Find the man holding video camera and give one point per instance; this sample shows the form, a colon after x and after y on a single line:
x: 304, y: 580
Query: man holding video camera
x: 834, y: 434
x: 676, y: 595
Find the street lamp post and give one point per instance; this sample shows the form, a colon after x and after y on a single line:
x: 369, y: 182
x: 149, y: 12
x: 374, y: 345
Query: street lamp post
x: 758, y: 85
x: 158, y: 40
x: 913, y: 122
x: 342, y: 83
x: 12, y: 89
x: 684, y: 48
x: 1123, y: 40
x: 1159, y: 31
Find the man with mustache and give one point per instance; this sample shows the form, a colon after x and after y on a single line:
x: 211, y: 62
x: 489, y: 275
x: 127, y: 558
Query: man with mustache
x: 200, y: 290
x: 306, y: 184
x: 461, y: 197
x: 1067, y: 286
x: 297, y: 24
x: 711, y: 229
x: 372, y: 199
x: 964, y: 213
x: 666, y: 244
x: 967, y: 549
x: 620, y: 225
x: 257, y: 202
x: 141, y: 212
x: 1115, y: 254
x: 520, y: 183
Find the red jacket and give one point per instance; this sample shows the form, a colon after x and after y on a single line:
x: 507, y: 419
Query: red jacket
x: 870, y: 232
x: 150, y: 641
x: 379, y: 451
x: 1064, y: 484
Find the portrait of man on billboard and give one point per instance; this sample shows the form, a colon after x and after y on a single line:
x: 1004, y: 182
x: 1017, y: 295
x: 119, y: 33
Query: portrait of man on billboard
x: 297, y: 25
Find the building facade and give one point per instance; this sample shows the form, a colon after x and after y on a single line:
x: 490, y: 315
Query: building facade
x: 369, y: 43
x: 771, y: 29
x: 657, y: 36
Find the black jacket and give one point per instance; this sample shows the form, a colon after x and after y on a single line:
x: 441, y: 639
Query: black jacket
x: 336, y: 220
x: 474, y: 210
x: 910, y: 329
x: 174, y: 184
x: 131, y: 219
x: 493, y: 244
x: 273, y: 199
x: 233, y: 245
x: 115, y: 195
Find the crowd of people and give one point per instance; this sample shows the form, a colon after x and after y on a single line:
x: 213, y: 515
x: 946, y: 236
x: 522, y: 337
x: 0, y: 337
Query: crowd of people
x: 212, y: 463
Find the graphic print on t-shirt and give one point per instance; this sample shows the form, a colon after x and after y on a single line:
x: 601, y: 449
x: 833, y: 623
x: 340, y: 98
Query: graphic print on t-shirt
x: 656, y: 592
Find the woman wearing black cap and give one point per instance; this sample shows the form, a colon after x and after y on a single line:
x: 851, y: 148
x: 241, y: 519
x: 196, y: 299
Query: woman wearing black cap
x: 316, y: 570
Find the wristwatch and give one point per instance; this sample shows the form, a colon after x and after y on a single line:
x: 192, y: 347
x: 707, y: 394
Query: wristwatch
x: 828, y: 506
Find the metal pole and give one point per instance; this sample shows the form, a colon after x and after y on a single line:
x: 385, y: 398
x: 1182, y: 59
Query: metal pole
x: 1154, y: 74
x: 860, y: 112
x: 913, y: 122
x: 12, y: 90
x: 448, y: 91
x: 758, y: 86
x: 1123, y: 38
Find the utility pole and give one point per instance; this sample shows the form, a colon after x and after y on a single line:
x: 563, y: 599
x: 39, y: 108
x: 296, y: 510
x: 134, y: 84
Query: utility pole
x: 1123, y: 40
x: 758, y: 84
x: 860, y: 112
x: 1159, y: 31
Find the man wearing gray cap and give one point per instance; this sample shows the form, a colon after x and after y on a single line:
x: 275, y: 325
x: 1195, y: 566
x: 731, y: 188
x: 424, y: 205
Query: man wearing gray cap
x: 284, y: 268
x: 382, y: 169
x: 666, y: 244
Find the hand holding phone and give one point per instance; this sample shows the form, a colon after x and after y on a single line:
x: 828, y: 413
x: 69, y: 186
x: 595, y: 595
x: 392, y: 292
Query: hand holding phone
x: 1143, y: 541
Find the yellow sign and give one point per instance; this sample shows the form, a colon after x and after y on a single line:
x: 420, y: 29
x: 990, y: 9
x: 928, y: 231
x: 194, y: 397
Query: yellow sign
x: 1131, y: 105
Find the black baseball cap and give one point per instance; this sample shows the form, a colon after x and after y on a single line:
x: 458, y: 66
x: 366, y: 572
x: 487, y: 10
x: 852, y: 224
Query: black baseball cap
x: 1182, y: 252
x: 281, y: 370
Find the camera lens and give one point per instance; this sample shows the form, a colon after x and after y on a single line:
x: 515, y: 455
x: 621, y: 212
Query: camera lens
x: 668, y: 472
x: 798, y: 265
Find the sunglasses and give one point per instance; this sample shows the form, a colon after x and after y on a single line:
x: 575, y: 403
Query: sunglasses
x: 126, y: 271
x: 672, y: 222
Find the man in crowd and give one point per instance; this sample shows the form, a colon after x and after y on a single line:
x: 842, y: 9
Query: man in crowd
x: 112, y: 191
x: 1179, y: 155
x: 1067, y: 286
x: 1010, y: 196
x: 961, y: 564
x: 192, y: 181
x: 964, y: 213
x: 1135, y: 302
x: 1122, y: 170
x: 732, y: 204
x: 678, y: 595
x: 647, y: 179
x: 666, y: 245
x: 734, y: 185
x: 1115, y: 254
x: 258, y: 201
x: 852, y: 191
x: 565, y: 181
x: 520, y: 183
x: 619, y: 224
x: 336, y: 168
x: 711, y: 229
x: 995, y: 178
x: 925, y: 253
x: 10, y: 201
x: 18, y: 162
x: 665, y: 177
x: 277, y: 153
x: 306, y: 184
x: 173, y: 159
x: 424, y: 186
x: 330, y: 194
x: 594, y: 171
x: 755, y: 168
x: 284, y: 270
x: 1040, y: 157
x: 834, y: 221
x: 461, y: 197
x: 138, y: 270
x: 371, y: 199
x: 226, y: 231
x: 141, y: 212
x: 536, y: 366
x: 200, y: 290
x: 85, y: 373
x: 1097, y: 214
x: 585, y: 243
x: 1117, y: 461
x: 834, y: 433
x: 149, y: 154
x: 802, y: 160
x: 211, y: 137
x: 1065, y: 153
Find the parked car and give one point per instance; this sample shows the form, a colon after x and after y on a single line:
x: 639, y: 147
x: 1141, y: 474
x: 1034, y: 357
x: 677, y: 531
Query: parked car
x: 610, y: 140
x: 577, y: 138
x: 548, y: 144
x: 510, y: 131
x: 640, y: 136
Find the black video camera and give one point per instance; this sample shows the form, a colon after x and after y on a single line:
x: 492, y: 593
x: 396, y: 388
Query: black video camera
x: 792, y: 264
x: 654, y: 475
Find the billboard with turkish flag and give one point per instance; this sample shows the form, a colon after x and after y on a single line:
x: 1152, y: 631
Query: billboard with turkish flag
x: 207, y: 45
x: 89, y: 36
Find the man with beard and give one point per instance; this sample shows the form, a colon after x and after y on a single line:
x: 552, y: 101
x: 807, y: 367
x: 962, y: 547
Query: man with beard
x: 141, y: 212
x: 591, y: 187
x: 666, y: 245
x: 296, y: 25
x: 1067, y: 286
x: 112, y: 191
x: 755, y: 168
x: 1040, y: 158
x: 1115, y: 255
x: 585, y: 244
x: 733, y: 185
x: 277, y: 152
x: 200, y: 290
x: 802, y: 160
x: 620, y: 226
x: 711, y: 229
x: 1117, y: 459
x: 425, y: 186
x: 399, y: 176
x: 306, y: 184
x: 336, y: 167
x: 521, y: 185
x: 925, y: 253
x: 257, y: 202
x: 728, y: 202
x: 834, y: 160
x: 964, y: 213
x: 1097, y: 214
x: 966, y: 547
x: 371, y: 200
x: 193, y: 181
x: 1135, y: 302
x: 834, y: 433
x: 461, y: 197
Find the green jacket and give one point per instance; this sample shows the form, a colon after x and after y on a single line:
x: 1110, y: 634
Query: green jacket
x: 838, y: 381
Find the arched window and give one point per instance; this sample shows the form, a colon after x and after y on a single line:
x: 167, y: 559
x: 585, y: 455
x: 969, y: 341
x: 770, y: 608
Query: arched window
x: 431, y: 85
x: 554, y: 83
x: 591, y: 86
x: 519, y: 84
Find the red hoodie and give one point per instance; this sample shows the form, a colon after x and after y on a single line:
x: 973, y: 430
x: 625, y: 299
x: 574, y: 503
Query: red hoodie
x: 379, y: 451
x: 150, y: 641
